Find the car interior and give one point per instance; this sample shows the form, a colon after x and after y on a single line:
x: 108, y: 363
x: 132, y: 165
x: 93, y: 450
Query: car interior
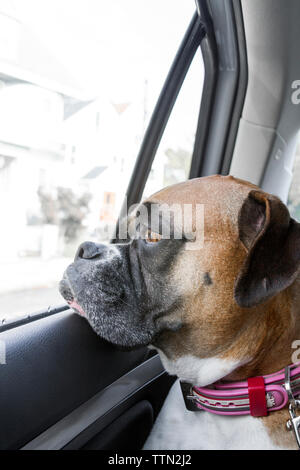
x: 62, y: 387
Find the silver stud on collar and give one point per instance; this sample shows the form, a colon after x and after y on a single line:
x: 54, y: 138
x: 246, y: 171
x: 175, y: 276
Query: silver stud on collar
x: 293, y: 424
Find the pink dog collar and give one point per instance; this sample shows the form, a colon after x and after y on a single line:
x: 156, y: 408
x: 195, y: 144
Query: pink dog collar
x: 256, y: 396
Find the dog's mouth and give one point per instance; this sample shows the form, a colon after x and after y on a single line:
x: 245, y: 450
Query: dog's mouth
x: 75, y: 306
x: 66, y: 291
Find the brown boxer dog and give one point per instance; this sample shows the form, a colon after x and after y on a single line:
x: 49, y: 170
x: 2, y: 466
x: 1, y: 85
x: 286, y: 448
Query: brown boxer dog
x: 224, y: 308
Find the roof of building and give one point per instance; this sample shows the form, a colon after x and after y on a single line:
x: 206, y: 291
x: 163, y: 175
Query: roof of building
x: 94, y: 172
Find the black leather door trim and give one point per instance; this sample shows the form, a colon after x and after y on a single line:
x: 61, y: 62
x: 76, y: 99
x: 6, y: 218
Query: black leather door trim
x: 61, y: 433
x: 54, y: 365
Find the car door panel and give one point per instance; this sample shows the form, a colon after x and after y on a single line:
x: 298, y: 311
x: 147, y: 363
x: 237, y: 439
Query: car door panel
x: 53, y: 365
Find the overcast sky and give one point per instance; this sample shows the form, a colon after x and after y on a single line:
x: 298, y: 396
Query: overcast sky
x: 110, y: 46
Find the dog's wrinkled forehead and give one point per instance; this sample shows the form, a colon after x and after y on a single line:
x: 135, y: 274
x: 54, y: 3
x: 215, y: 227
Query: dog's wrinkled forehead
x: 221, y: 198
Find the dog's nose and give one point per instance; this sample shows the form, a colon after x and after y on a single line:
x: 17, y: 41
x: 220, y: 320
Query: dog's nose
x: 89, y: 250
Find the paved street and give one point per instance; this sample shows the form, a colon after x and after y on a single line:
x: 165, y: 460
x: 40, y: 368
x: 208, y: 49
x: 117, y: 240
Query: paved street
x: 29, y: 285
x: 28, y: 301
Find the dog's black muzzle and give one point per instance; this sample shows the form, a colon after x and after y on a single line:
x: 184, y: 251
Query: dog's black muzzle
x: 97, y: 266
x: 105, y: 286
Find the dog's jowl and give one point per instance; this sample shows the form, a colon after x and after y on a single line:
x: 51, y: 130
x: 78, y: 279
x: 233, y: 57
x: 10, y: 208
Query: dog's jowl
x: 225, y: 309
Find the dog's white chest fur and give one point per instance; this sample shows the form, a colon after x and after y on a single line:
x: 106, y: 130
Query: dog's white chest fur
x: 177, y: 428
x: 198, y: 371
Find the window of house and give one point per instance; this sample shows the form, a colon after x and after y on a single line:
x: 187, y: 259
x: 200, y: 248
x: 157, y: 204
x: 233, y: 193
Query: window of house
x: 63, y: 178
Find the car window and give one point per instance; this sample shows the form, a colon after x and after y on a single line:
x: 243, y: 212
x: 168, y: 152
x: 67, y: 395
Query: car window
x: 172, y: 161
x: 294, y: 193
x: 78, y: 83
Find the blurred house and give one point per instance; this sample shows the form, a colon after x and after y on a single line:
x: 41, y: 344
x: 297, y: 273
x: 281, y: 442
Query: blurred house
x: 36, y: 96
x: 54, y: 134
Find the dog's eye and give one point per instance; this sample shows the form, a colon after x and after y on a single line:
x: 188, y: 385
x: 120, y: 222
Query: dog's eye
x: 152, y: 237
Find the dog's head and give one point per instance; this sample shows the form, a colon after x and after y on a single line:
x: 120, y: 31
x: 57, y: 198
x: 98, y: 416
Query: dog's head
x: 191, y: 295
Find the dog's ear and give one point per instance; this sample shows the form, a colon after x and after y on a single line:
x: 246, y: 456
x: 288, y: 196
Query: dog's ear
x: 272, y: 239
